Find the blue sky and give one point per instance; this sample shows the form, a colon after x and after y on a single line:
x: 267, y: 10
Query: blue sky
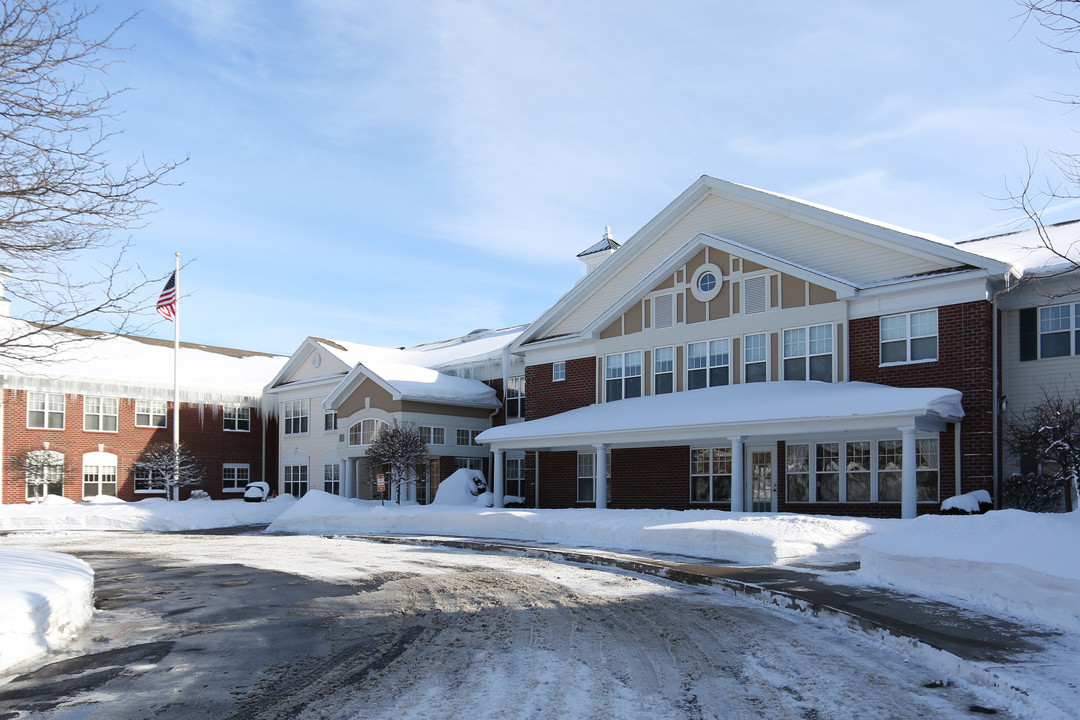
x: 395, y: 173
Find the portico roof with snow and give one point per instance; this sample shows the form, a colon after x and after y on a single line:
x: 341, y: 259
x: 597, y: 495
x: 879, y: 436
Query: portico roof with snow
x: 760, y: 410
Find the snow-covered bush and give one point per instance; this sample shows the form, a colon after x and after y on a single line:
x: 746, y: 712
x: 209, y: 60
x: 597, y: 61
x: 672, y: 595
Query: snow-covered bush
x: 1033, y: 492
x: 972, y: 503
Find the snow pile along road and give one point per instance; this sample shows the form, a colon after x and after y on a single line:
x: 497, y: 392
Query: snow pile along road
x: 732, y: 537
x: 1018, y: 563
x: 154, y: 514
x: 46, y: 598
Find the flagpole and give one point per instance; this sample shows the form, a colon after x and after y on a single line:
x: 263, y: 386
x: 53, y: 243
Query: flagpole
x: 176, y: 384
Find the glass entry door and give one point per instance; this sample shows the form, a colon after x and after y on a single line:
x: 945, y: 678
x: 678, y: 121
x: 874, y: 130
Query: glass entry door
x: 762, y: 481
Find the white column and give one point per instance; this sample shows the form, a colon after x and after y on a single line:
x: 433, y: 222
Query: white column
x: 738, y: 474
x: 348, y: 470
x: 601, y: 475
x: 498, y: 473
x: 908, y: 489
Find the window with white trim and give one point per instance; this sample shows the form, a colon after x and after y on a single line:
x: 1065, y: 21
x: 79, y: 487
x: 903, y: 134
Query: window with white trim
x: 558, y: 371
x: 710, y: 475
x: 859, y: 471
x: 663, y: 370
x: 101, y: 414
x: 808, y: 353
x: 433, y: 435
x: 708, y: 364
x: 237, y: 419
x: 332, y: 478
x: 296, y: 480
x: 622, y: 375
x: 927, y: 464
x: 467, y: 437
x: 99, y: 475
x: 912, y: 337
x: 756, y: 358
x: 365, y: 432
x: 663, y: 311
x: 515, y: 397
x: 44, y: 474
x: 827, y: 472
x: 151, y: 413
x: 586, y: 474
x: 890, y: 470
x: 147, y: 482
x: 295, y: 414
x: 235, y: 476
x: 329, y: 421
x: 469, y: 463
x: 514, y: 477
x: 797, y: 472
x: 45, y: 411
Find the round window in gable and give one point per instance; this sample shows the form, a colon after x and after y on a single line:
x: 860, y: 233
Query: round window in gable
x: 706, y: 282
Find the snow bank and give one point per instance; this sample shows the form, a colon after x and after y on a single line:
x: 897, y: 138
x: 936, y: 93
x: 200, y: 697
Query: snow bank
x: 46, y: 598
x: 1009, y: 561
x: 461, y: 488
x: 150, y: 514
x: 734, y: 537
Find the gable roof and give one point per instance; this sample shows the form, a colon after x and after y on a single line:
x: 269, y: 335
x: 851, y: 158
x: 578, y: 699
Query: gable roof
x: 741, y: 209
x: 1049, y: 250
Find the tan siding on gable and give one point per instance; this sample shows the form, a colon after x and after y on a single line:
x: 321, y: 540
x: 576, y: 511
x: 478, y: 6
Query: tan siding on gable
x: 380, y: 399
x: 695, y: 309
x: 792, y: 291
x: 612, y: 330
x: 786, y: 237
x: 820, y: 295
x: 720, y: 306
x: 632, y: 320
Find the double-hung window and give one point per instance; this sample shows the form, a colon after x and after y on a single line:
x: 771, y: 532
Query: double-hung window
x: 586, y: 474
x: 912, y: 337
x: 237, y: 419
x: 100, y: 414
x: 45, y: 410
x: 514, y: 477
x: 295, y: 417
x: 859, y: 471
x: 756, y: 358
x: 663, y: 370
x: 146, y: 481
x: 151, y: 413
x: 329, y: 420
x: 808, y: 353
x: 44, y: 474
x: 708, y: 364
x: 332, y: 478
x: 235, y: 476
x: 622, y: 375
x: 515, y: 397
x: 558, y: 371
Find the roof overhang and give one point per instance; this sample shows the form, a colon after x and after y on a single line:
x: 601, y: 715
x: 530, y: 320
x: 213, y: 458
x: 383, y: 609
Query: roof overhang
x: 761, y: 411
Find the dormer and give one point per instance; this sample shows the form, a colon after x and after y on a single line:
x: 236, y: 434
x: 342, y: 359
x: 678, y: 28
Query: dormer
x: 599, y: 252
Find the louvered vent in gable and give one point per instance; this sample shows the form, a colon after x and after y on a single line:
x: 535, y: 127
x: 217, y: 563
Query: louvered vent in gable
x: 664, y: 311
x: 755, y: 294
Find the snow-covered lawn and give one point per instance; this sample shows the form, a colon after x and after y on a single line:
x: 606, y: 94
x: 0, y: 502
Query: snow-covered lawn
x: 1008, y: 562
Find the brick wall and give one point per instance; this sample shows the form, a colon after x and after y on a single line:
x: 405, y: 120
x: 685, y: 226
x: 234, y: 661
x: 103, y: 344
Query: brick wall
x: 965, y: 363
x: 545, y: 397
x: 202, y: 433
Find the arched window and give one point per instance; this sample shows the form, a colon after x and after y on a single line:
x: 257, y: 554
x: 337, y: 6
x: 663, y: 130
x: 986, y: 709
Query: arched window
x: 99, y: 474
x: 365, y: 431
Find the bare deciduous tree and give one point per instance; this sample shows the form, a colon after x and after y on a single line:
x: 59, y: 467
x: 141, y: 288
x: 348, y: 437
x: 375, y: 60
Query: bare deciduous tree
x: 188, y: 470
x: 1047, y: 437
x: 65, y: 208
x: 401, y: 448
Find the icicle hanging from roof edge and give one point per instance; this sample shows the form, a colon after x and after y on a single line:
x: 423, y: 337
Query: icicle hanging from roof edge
x: 68, y: 386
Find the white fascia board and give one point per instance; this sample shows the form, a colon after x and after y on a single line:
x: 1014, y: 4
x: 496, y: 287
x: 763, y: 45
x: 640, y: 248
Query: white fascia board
x: 330, y: 380
x: 297, y: 358
x: 1037, y: 291
x: 921, y: 245
x: 350, y: 382
x: 920, y: 294
x: 627, y: 252
x: 843, y: 288
x: 717, y: 433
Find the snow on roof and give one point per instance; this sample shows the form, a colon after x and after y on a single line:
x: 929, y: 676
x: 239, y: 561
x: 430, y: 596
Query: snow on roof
x: 420, y: 383
x: 1027, y: 252
x: 72, y: 360
x: 739, y: 408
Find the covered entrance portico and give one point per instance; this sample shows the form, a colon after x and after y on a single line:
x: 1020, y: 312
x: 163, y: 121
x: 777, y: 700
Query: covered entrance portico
x: 744, y: 424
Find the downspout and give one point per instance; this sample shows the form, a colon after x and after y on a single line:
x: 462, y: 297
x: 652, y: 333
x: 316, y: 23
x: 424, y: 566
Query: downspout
x: 995, y: 389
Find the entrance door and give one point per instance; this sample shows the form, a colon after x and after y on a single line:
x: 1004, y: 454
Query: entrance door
x: 762, y: 481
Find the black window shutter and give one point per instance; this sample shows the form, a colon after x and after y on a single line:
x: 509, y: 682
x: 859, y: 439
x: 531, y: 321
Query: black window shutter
x: 1029, y: 334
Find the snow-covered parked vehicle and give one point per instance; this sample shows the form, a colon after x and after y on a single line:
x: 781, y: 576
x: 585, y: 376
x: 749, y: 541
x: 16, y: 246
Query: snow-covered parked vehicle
x: 256, y: 492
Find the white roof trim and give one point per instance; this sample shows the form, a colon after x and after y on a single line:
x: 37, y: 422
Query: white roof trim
x: 773, y: 408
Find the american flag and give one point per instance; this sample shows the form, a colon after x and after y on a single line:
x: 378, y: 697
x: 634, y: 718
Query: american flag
x: 166, y: 304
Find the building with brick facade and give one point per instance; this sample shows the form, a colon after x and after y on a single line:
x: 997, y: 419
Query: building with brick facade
x: 332, y: 399
x: 750, y: 351
x: 80, y: 408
